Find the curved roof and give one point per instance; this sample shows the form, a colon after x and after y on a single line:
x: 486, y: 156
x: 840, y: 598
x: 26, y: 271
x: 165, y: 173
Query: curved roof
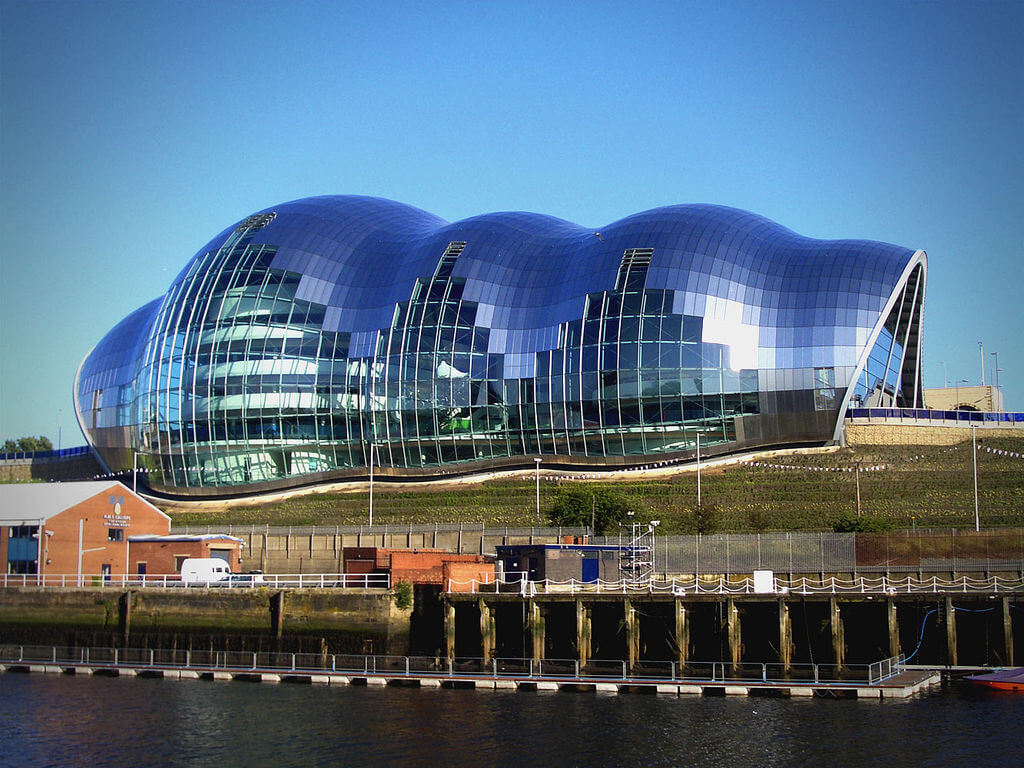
x: 361, y: 255
x: 729, y: 314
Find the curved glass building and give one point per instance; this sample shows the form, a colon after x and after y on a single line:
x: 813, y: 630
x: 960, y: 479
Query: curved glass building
x: 313, y: 334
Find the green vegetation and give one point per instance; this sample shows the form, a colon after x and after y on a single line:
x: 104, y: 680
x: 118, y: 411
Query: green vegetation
x: 595, y: 508
x: 920, y: 486
x: 27, y: 445
x: 850, y: 523
x: 705, y: 518
x: 403, y: 595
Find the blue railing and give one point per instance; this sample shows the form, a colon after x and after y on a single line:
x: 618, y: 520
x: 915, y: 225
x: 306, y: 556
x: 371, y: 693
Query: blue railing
x: 925, y: 414
x: 63, y: 453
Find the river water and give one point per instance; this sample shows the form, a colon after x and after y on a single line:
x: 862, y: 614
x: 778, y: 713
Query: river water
x: 93, y: 722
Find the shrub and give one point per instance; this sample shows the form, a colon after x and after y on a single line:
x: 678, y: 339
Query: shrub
x: 403, y: 595
x: 577, y: 506
x: 849, y: 523
x: 706, y: 518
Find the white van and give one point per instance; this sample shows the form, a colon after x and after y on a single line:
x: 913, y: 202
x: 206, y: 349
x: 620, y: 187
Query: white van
x: 204, y: 570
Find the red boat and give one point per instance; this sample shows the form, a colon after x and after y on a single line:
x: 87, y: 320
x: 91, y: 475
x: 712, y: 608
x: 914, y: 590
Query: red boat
x: 1003, y: 679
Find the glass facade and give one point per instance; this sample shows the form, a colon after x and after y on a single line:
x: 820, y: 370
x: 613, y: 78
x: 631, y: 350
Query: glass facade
x: 308, y: 336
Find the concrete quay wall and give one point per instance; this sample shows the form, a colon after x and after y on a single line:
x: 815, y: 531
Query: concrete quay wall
x: 365, y: 621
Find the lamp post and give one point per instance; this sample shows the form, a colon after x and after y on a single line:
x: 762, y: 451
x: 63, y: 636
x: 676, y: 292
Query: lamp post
x: 698, y: 470
x: 974, y: 450
x: 698, y: 433
x: 945, y: 376
x: 982, y: 348
x: 60, y: 419
x: 857, y: 464
x: 995, y: 371
x: 956, y: 406
x: 372, y: 446
x: 81, y: 526
x: 537, y: 464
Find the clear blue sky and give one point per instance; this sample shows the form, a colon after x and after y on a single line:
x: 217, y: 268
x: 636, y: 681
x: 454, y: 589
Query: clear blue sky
x: 133, y: 132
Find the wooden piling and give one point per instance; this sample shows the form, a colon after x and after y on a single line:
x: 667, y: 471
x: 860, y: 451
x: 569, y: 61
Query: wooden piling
x: 582, y: 633
x: 950, y: 632
x: 682, y: 634
x: 487, y: 638
x: 277, y: 614
x: 449, y: 629
x: 734, y: 633
x: 785, y: 637
x: 1008, y: 631
x: 894, y: 628
x: 838, y: 636
x: 125, y: 616
x: 632, y: 632
x: 535, y: 621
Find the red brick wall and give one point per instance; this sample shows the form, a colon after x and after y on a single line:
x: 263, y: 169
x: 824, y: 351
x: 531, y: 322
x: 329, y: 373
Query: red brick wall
x: 135, y: 517
x: 160, y: 556
x: 458, y: 576
x: 418, y: 566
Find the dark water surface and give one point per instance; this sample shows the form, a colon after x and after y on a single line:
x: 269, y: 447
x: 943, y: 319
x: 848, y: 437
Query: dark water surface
x: 48, y: 720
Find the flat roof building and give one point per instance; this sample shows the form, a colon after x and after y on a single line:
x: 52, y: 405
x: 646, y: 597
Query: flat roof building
x: 163, y: 555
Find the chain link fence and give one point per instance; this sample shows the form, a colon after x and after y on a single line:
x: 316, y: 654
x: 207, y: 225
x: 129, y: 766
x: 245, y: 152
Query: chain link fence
x: 927, y: 551
x: 990, y: 551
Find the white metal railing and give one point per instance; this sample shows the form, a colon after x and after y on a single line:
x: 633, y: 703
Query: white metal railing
x: 721, y: 585
x: 169, y: 581
x: 886, y: 668
x: 566, y: 670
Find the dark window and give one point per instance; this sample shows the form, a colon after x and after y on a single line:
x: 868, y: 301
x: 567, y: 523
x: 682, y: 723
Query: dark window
x: 633, y: 268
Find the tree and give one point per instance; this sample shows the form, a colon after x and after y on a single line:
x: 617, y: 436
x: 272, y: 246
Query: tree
x: 848, y: 523
x: 576, y: 506
x: 706, y: 518
x: 28, y: 445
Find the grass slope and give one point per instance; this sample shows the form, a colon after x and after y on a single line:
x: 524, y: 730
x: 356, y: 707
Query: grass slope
x: 923, y: 486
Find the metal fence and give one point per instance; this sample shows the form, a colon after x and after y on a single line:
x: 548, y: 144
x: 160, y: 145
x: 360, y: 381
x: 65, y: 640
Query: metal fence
x: 174, y: 581
x: 723, y: 585
x: 745, y: 553
x: 469, y: 668
x: 952, y: 551
x: 63, y: 453
x: 967, y: 418
x: 477, y: 529
x: 993, y: 550
x: 886, y: 668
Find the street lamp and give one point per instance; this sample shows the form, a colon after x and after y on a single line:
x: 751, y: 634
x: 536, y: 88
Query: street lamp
x: 698, y: 432
x: 698, y: 470
x: 956, y: 406
x: 537, y: 462
x: 372, y: 446
x: 974, y: 450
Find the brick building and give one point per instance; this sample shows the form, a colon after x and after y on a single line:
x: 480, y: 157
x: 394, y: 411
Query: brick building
x: 69, y: 529
x: 158, y: 555
x: 419, y: 566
